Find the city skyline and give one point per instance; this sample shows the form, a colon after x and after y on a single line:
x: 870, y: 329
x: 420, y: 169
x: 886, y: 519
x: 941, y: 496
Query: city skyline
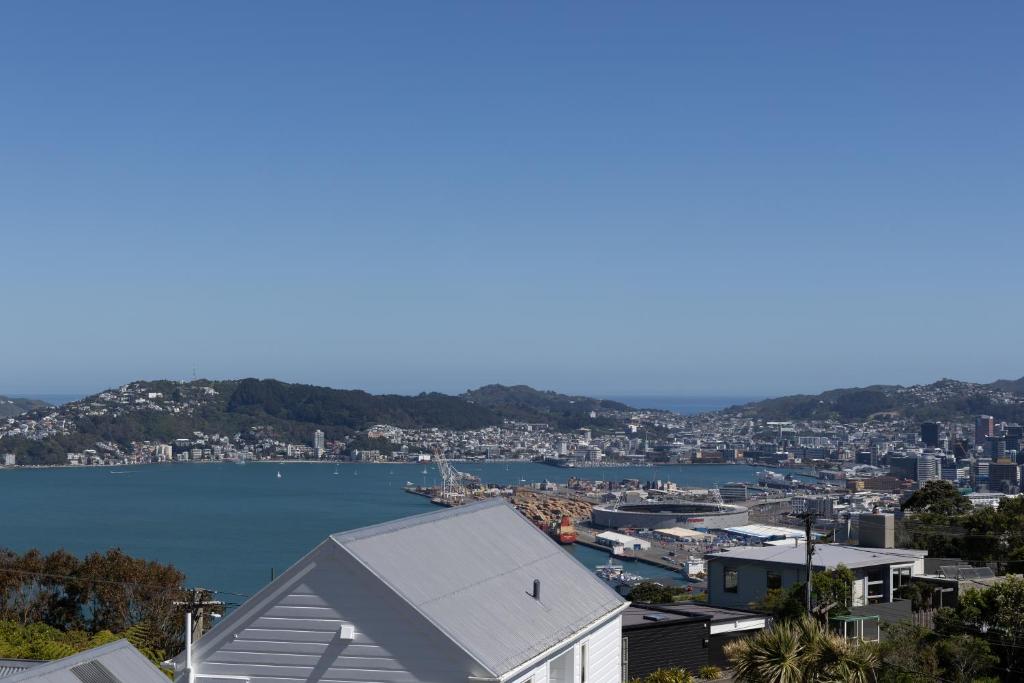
x: 666, y: 200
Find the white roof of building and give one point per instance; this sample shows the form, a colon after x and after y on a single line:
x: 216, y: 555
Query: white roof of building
x: 765, y: 531
x: 681, y: 532
x: 622, y: 539
x: 826, y: 555
x: 117, y: 662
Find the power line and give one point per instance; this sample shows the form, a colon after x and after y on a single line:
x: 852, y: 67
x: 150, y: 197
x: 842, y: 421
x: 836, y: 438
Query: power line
x: 132, y: 584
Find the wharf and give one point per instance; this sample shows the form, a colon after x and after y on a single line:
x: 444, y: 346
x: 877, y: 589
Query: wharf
x: 586, y: 537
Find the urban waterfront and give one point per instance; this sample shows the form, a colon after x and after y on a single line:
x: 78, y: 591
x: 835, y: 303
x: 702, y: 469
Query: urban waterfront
x: 228, y: 526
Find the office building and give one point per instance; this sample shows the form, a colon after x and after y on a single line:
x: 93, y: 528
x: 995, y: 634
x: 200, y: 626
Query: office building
x: 1002, y: 475
x: 928, y: 468
x: 995, y: 447
x: 930, y: 434
x: 984, y: 427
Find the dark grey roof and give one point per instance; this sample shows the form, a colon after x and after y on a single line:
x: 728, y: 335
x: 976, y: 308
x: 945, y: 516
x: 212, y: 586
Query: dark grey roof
x: 117, y: 662
x: 469, y: 570
x: 638, y: 615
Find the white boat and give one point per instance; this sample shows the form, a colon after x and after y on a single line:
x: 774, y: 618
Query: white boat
x: 694, y: 569
x: 616, y: 575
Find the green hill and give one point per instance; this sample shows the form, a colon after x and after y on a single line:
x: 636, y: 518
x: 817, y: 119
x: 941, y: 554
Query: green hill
x: 163, y: 410
x: 946, y: 399
x: 10, y: 407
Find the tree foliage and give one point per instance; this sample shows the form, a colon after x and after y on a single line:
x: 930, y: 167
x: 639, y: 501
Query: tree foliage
x: 994, y: 614
x: 103, y: 592
x: 651, y: 593
x: 801, y: 651
x: 938, y: 497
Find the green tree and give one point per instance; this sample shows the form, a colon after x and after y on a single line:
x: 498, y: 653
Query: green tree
x: 831, y: 590
x: 651, y: 593
x: 965, y: 658
x: 907, y: 654
x: 939, y: 498
x: 996, y: 614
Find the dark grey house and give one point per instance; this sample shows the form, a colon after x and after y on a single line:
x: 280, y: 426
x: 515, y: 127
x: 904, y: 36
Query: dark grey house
x: 687, y: 636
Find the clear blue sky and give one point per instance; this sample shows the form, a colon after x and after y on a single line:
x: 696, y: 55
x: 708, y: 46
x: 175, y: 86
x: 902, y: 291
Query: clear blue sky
x: 601, y: 197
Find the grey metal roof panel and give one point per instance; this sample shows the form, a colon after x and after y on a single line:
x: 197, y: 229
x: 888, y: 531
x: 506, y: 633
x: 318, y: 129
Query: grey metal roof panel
x: 470, y: 570
x: 116, y: 662
x: 825, y: 555
x: 9, y: 667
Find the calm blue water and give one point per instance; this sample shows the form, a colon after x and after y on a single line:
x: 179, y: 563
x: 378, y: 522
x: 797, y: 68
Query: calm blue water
x: 684, y: 405
x: 226, y: 526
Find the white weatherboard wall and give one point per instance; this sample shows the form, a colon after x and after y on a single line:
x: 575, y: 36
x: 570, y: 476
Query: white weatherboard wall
x: 604, y: 655
x: 290, y: 634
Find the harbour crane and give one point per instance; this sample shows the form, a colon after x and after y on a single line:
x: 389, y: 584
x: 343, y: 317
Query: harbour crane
x: 453, y: 490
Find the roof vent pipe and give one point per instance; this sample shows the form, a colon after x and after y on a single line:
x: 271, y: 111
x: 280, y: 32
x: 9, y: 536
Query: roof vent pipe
x: 536, y: 589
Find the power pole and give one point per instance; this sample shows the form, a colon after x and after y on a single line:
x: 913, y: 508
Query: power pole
x: 808, y: 518
x: 199, y: 604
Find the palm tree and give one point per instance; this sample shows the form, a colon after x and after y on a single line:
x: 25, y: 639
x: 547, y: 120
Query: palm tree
x: 801, y: 651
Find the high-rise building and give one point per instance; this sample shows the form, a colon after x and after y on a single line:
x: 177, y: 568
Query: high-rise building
x: 318, y: 444
x: 1014, y: 435
x: 995, y: 447
x: 928, y: 468
x: 984, y: 427
x: 930, y: 434
x: 1002, y: 475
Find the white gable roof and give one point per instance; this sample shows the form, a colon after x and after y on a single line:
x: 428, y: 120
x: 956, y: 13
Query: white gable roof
x: 467, y: 571
x: 470, y: 570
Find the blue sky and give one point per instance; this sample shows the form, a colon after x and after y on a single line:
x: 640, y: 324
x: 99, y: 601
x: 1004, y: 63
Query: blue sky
x: 602, y: 197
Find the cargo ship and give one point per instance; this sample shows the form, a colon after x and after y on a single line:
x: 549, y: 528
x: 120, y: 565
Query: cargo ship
x: 564, y: 532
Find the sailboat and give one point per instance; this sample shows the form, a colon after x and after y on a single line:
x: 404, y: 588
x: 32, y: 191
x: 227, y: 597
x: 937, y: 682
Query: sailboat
x: 336, y: 469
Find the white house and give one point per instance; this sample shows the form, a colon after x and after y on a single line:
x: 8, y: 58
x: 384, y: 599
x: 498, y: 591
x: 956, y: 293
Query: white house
x: 473, y: 593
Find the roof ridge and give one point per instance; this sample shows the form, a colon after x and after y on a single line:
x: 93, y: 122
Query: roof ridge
x: 389, y: 526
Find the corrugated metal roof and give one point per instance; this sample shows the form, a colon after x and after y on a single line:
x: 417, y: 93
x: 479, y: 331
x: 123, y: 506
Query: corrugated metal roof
x: 117, y: 662
x: 826, y: 555
x: 470, y: 570
x: 9, y: 667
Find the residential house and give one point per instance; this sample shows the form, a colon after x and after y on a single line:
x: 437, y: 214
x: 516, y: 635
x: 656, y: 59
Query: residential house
x: 739, y: 577
x: 472, y: 593
x: 684, y: 635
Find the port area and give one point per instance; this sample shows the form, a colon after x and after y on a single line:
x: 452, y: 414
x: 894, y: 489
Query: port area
x: 655, y: 556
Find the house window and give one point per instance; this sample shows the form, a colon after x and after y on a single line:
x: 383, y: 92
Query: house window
x: 900, y: 580
x: 774, y: 580
x: 731, y: 578
x: 583, y: 663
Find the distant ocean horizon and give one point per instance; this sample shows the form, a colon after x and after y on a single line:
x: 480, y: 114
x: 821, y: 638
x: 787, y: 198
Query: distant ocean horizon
x: 684, y: 405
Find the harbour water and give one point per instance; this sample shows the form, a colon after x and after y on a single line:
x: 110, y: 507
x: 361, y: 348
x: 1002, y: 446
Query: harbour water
x: 228, y: 526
